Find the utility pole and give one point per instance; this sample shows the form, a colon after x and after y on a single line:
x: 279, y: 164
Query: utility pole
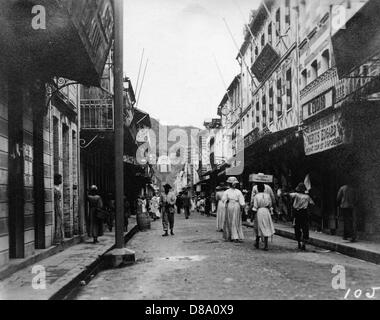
x: 119, y: 124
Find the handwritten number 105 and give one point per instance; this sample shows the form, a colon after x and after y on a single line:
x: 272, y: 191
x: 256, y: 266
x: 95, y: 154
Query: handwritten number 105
x: 358, y: 293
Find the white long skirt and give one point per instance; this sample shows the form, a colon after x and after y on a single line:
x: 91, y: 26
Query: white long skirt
x: 233, y: 228
x: 263, y: 223
x: 220, y: 216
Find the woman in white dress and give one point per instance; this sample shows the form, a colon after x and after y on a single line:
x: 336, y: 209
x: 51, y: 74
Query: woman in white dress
x: 221, y: 209
x: 155, y: 207
x: 262, y: 205
x: 234, y: 201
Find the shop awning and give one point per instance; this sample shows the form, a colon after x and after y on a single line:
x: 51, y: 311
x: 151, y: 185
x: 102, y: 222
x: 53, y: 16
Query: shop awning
x: 74, y: 44
x: 359, y: 40
x: 272, y: 141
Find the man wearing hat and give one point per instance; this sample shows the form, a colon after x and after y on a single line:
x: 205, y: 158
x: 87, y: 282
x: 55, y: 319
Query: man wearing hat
x: 167, y: 203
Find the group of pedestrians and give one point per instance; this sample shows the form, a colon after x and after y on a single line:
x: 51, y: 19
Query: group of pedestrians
x: 232, y: 204
x: 184, y: 203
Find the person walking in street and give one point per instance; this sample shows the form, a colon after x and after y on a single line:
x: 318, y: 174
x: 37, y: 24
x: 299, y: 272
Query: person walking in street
x: 178, y: 203
x: 167, y: 203
x: 208, y: 205
x: 155, y: 205
x: 186, y: 204
x: 193, y: 204
x: 244, y: 211
x: 213, y: 202
x: 282, y: 209
x: 110, y: 207
x: 94, y: 217
x: 59, y: 233
x: 268, y: 190
x: 234, y: 200
x: 301, y: 203
x: 262, y: 206
x: 221, y: 208
x: 347, y: 201
x: 201, y: 206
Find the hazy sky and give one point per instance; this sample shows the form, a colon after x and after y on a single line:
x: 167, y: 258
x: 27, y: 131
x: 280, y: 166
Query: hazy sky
x: 182, y: 84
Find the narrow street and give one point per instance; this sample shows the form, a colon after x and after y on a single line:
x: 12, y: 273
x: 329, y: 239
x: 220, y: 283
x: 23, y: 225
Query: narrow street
x: 198, y: 264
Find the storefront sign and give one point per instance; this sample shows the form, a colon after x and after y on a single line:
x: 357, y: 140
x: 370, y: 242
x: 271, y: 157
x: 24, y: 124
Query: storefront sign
x: 318, y: 104
x: 325, y: 134
x: 264, y: 178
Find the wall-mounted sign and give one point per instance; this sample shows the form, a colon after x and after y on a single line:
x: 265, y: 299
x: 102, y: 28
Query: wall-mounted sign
x: 264, y: 178
x: 326, y: 133
x: 318, y: 104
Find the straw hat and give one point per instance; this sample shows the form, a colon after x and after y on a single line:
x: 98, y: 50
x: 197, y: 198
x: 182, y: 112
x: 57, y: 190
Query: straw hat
x: 233, y: 180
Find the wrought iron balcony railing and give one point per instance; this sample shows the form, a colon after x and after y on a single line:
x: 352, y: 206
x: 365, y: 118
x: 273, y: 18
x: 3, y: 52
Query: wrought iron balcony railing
x: 97, y: 115
x: 325, y: 81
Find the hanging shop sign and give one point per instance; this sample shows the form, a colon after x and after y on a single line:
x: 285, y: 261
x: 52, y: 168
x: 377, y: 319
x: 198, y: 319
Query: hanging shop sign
x: 318, y: 104
x: 263, y: 178
x: 265, y: 62
x: 326, y: 133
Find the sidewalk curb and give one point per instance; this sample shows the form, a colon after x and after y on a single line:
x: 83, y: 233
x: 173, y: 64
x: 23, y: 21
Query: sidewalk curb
x: 362, y: 254
x: 366, y: 255
x: 68, y: 290
x: 46, y: 253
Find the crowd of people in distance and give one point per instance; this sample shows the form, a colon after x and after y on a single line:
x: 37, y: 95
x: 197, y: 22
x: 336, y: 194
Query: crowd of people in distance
x: 231, y: 205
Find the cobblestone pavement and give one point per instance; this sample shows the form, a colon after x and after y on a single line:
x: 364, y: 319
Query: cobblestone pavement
x: 197, y: 264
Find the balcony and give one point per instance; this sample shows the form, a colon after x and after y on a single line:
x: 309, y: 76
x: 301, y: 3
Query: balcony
x: 324, y: 82
x: 74, y: 44
x: 97, y: 115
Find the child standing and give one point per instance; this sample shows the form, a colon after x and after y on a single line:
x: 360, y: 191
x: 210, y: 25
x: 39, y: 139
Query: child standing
x: 301, y: 204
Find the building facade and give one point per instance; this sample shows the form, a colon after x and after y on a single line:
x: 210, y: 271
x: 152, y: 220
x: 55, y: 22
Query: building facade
x: 39, y: 115
x: 339, y: 107
x: 307, y: 103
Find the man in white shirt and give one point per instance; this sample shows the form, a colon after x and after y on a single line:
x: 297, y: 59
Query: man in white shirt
x: 167, y: 203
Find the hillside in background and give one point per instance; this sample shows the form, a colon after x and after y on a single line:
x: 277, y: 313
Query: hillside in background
x: 162, y: 133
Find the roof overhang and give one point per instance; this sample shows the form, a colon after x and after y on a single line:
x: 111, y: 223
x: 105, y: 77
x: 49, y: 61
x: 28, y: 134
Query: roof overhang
x: 359, y: 41
x: 74, y: 44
